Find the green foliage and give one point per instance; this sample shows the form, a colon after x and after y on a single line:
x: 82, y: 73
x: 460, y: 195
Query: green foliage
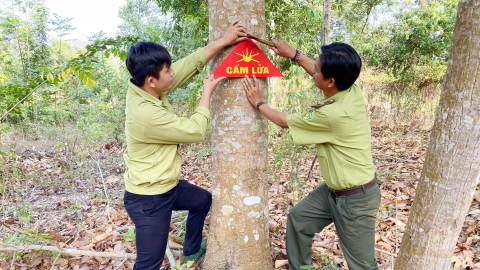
x: 130, y: 236
x: 417, y: 50
x: 186, y: 266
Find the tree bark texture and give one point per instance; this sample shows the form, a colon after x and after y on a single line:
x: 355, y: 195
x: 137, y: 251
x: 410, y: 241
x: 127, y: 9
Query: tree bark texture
x: 327, y: 12
x: 452, y: 166
x: 239, y: 233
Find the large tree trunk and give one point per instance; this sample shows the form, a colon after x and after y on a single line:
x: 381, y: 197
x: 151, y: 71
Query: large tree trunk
x: 327, y: 11
x: 238, y: 237
x: 452, y: 166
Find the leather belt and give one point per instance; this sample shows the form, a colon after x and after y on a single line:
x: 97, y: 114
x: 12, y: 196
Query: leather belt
x: 355, y: 190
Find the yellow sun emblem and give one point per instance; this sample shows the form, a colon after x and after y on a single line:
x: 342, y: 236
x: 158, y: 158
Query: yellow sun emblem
x: 247, y: 57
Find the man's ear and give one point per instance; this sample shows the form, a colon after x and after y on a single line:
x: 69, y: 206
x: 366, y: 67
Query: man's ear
x: 149, y: 81
x: 331, y: 82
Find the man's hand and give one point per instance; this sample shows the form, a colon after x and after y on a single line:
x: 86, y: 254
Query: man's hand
x: 253, y: 91
x: 235, y: 33
x: 210, y: 84
x: 284, y: 49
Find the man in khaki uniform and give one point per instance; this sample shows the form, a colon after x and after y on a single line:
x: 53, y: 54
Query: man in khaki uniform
x: 350, y: 196
x: 153, y: 133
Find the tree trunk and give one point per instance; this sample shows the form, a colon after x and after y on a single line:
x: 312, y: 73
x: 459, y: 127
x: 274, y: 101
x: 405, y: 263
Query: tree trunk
x: 19, y: 47
x: 327, y: 11
x: 452, y: 167
x: 239, y: 232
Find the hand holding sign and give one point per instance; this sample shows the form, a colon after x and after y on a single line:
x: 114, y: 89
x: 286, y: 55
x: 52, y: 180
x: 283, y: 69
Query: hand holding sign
x: 235, y: 33
x: 253, y: 90
x: 283, y: 49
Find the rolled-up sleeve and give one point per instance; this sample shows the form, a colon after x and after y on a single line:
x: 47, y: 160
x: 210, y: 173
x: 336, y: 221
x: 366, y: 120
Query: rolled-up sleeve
x: 310, y: 127
x: 188, y: 67
x: 166, y: 128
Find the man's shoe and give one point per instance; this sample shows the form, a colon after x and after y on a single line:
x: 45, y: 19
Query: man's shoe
x: 194, y: 257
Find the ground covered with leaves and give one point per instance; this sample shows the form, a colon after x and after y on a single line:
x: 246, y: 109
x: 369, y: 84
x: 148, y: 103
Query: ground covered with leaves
x: 61, y: 203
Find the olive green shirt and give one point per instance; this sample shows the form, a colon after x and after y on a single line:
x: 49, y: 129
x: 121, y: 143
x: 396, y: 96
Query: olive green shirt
x: 342, y: 134
x: 153, y: 133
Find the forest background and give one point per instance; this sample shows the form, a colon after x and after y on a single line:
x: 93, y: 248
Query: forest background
x: 62, y: 120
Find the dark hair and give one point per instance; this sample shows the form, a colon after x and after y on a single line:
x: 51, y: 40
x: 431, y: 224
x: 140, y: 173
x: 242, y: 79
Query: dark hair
x: 146, y: 59
x: 341, y: 62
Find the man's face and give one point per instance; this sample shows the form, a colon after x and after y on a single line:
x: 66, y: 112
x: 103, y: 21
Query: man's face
x: 320, y: 82
x: 165, y: 81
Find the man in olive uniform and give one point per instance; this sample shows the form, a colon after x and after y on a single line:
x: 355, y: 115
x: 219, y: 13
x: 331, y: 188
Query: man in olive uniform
x: 153, y: 133
x: 350, y: 196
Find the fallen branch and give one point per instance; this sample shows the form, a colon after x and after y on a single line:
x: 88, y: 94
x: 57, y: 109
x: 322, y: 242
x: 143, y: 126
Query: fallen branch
x: 105, y: 190
x: 124, y: 260
x: 67, y: 251
x: 77, y: 252
x: 386, y: 252
x: 171, y: 258
x: 10, y: 227
x: 311, y: 167
x: 375, y: 155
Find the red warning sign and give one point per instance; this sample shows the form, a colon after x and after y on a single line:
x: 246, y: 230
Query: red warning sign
x: 247, y: 59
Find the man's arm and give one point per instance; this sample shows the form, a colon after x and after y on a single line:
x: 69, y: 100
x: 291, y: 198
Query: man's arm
x: 235, y: 33
x: 254, y: 95
x: 193, y: 64
x: 284, y: 49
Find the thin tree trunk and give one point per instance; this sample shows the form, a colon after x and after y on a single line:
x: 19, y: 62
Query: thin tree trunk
x: 327, y: 11
x: 19, y: 47
x: 452, y: 167
x: 28, y: 45
x: 239, y: 231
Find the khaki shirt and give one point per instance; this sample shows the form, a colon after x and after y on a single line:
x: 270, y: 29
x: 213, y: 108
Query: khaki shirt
x: 342, y: 134
x: 153, y: 133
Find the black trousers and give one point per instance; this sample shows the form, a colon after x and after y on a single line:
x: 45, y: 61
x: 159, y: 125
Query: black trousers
x: 151, y: 215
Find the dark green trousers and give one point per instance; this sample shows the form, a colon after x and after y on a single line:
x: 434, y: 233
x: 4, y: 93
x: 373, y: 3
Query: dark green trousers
x: 354, y: 218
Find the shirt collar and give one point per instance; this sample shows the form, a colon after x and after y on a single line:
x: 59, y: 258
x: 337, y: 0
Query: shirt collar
x: 143, y: 94
x: 340, y: 94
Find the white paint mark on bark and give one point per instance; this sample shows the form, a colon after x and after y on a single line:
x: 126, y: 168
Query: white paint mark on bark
x: 234, y: 176
x: 253, y: 214
x: 236, y: 187
x: 227, y: 209
x: 426, y: 179
x: 251, y: 200
x: 442, y: 186
x: 420, y: 230
x: 261, y: 139
x: 246, y: 239
x: 468, y: 120
x: 236, y: 145
x: 222, y: 146
x: 256, y: 235
x: 444, y: 115
x: 253, y: 21
x: 227, y: 119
